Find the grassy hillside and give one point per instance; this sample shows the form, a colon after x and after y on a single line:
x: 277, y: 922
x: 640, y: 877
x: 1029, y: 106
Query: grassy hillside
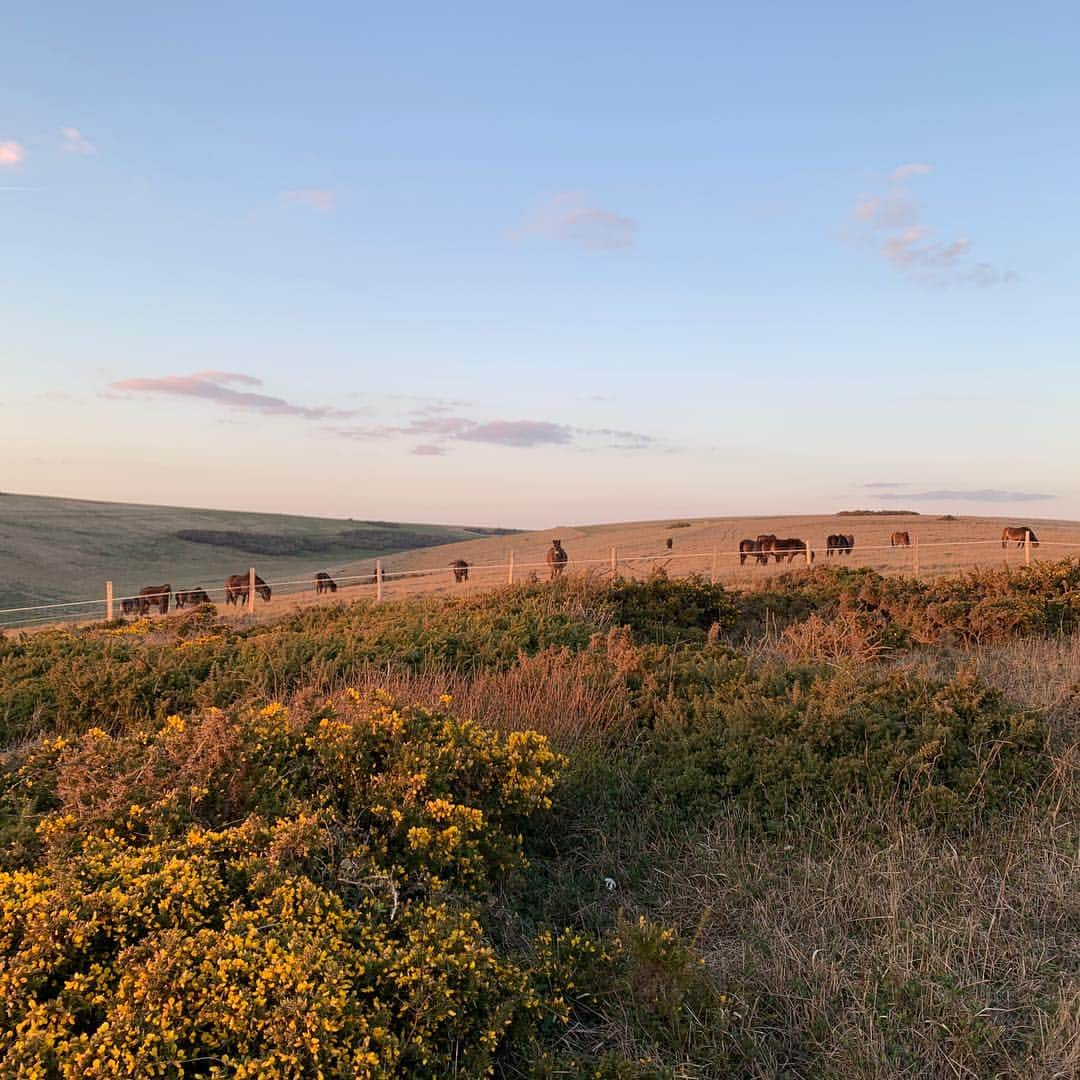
x: 65, y: 549
x: 629, y: 829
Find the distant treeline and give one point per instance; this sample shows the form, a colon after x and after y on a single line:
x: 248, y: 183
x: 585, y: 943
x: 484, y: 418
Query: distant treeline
x: 385, y: 539
x: 877, y: 513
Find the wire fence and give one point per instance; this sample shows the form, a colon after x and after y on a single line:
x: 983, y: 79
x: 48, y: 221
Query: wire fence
x: 734, y: 566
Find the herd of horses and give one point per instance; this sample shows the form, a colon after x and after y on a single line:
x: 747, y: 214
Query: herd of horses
x: 758, y: 549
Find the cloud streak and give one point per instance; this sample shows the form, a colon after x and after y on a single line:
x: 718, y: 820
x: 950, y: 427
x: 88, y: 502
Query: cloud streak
x: 570, y: 217
x: 11, y: 154
x: 987, y: 495
x: 890, y: 220
x: 220, y: 387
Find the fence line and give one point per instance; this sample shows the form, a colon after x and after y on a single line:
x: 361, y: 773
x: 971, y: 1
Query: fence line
x: 378, y: 577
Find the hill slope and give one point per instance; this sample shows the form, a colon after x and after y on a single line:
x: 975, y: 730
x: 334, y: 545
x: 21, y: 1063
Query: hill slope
x: 65, y: 549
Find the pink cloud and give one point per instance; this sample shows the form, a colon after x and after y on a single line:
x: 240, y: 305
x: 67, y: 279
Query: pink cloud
x: 11, y: 154
x: 570, y: 216
x: 913, y: 168
x: 75, y: 142
x: 218, y: 387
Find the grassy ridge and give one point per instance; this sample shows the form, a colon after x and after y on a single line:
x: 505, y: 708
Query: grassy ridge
x: 58, y: 549
x: 635, y: 829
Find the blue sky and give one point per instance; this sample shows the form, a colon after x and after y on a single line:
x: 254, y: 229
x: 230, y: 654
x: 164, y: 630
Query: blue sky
x: 581, y: 263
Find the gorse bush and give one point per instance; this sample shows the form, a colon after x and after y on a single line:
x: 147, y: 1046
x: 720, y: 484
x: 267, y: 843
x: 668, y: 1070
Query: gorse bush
x: 789, y: 737
x: 273, y: 893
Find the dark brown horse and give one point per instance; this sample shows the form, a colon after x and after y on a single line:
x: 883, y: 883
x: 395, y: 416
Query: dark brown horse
x: 236, y: 589
x: 751, y: 547
x: 191, y: 598
x: 130, y: 605
x: 900, y: 539
x: 155, y: 596
x: 789, y: 547
x: 324, y: 583
x: 461, y: 570
x: 557, y: 558
x: 839, y: 543
x: 670, y: 543
x: 1019, y: 533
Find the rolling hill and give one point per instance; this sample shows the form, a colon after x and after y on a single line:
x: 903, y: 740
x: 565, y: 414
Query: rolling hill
x: 65, y: 549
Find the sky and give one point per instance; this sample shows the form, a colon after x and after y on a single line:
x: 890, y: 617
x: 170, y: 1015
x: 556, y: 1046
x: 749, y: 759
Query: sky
x: 577, y: 263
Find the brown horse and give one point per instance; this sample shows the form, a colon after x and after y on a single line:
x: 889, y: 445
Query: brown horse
x: 461, y: 570
x: 236, y: 589
x: 155, y: 596
x: 789, y: 547
x: 324, y: 583
x: 834, y: 542
x: 751, y: 547
x: 1019, y: 533
x: 557, y: 558
x: 130, y: 605
x: 191, y: 598
x: 900, y: 539
x: 669, y: 542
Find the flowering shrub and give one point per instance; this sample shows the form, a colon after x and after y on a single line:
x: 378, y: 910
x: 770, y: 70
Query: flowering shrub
x: 274, y: 893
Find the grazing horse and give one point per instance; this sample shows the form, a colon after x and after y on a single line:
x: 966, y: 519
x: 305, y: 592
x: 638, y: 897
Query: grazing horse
x: 900, y: 539
x: 155, y: 596
x: 191, y: 598
x: 557, y: 559
x: 461, y: 570
x: 839, y: 543
x: 669, y: 543
x: 790, y: 547
x: 1019, y: 533
x: 130, y: 605
x: 324, y: 583
x: 752, y: 547
x: 236, y: 589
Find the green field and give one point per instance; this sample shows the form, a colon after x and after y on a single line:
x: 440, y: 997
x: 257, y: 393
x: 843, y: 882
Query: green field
x: 65, y: 549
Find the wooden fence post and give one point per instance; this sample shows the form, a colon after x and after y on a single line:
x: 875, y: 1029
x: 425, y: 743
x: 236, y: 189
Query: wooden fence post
x: 378, y: 580
x: 510, y: 568
x: 712, y: 573
x: 915, y: 556
x: 809, y: 553
x: 251, y: 590
x: 614, y: 560
x: 108, y: 602
x: 1027, y: 547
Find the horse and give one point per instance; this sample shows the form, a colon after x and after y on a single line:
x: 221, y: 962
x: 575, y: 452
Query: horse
x: 849, y: 544
x: 557, y: 559
x: 155, y: 596
x: 900, y: 539
x: 191, y: 597
x: 130, y: 605
x: 751, y: 547
x: 236, y: 589
x: 324, y: 583
x: 670, y: 543
x: 1019, y: 533
x: 461, y: 570
x: 789, y: 547
x: 834, y: 542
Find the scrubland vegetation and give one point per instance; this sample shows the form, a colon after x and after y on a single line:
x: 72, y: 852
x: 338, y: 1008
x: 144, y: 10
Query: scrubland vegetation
x: 827, y: 828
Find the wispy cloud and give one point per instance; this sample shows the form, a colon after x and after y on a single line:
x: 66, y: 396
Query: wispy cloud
x: 220, y: 387
x: 912, y: 168
x: 429, y: 450
x: 987, y: 495
x: 891, y: 222
x: 571, y: 217
x: 11, y: 154
x: 884, y: 484
x: 316, y: 198
x: 75, y: 142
